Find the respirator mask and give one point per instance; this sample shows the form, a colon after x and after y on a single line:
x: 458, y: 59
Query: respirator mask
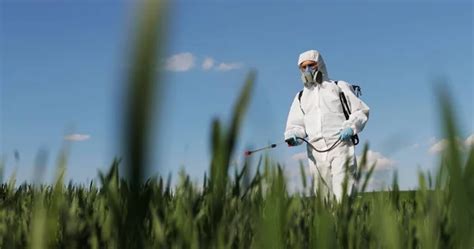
x: 311, y: 76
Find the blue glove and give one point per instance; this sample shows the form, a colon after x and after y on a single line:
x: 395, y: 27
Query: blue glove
x: 346, y: 134
x: 292, y: 141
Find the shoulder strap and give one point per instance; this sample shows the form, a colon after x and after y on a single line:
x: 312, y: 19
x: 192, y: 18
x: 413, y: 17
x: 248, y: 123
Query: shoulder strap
x: 347, y: 110
x: 299, y: 100
x: 345, y: 106
x: 347, y: 113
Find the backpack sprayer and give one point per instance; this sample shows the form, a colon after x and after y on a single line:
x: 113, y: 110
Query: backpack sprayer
x: 271, y: 146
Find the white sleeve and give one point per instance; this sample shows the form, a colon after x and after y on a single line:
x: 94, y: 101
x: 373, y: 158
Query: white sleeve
x: 359, y: 110
x: 295, y: 123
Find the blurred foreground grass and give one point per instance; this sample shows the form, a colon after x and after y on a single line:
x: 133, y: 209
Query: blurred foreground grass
x: 239, y: 211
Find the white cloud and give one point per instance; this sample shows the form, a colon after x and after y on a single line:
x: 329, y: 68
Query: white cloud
x: 293, y: 177
x: 300, y: 156
x: 438, y: 146
x: 432, y: 140
x: 292, y: 171
x: 228, y: 66
x: 208, y: 63
x: 77, y: 137
x: 469, y: 141
x: 183, y: 62
x: 375, y: 184
x: 180, y: 62
x: 381, y: 162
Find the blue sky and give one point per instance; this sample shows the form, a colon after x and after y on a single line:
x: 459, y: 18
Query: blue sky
x: 63, y: 65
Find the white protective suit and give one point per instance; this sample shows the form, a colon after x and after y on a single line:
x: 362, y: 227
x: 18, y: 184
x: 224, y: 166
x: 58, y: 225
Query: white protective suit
x: 319, y: 118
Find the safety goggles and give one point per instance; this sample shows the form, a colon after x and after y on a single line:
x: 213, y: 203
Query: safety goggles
x: 309, y: 66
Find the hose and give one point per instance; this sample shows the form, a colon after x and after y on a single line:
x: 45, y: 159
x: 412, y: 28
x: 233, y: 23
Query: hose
x: 321, y: 151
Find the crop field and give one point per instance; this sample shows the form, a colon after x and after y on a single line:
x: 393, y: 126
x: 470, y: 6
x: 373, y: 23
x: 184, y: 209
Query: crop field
x: 237, y: 212
x: 241, y: 209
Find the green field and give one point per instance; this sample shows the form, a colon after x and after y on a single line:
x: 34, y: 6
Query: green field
x: 234, y: 212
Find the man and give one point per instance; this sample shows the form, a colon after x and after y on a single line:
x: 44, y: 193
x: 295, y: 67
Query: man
x: 317, y: 116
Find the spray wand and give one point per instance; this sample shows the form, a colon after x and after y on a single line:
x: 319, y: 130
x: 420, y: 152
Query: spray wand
x: 271, y: 146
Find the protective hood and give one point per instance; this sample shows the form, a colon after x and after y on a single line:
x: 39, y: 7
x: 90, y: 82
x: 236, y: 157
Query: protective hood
x: 314, y: 55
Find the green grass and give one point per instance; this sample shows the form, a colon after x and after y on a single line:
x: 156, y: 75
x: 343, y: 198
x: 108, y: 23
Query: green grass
x: 253, y: 213
x: 231, y: 211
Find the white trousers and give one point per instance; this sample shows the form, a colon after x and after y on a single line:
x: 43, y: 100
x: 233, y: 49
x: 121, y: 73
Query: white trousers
x: 328, y: 169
